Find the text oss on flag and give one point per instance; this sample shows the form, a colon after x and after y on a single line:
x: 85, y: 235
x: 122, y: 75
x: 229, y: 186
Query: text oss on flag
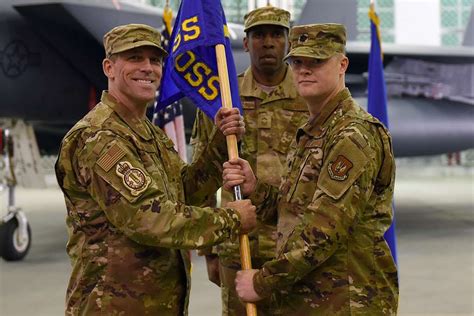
x: 191, y: 67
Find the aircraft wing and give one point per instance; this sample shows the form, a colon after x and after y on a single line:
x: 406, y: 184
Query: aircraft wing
x: 422, y: 127
x: 75, y: 28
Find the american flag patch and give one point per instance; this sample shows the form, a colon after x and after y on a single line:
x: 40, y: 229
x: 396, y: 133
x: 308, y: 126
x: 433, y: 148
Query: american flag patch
x: 111, y: 157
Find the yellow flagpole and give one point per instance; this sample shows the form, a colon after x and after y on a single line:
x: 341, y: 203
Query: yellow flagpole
x: 167, y: 17
x: 233, y: 152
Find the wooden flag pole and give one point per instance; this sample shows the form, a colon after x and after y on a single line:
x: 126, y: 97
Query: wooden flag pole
x: 233, y: 152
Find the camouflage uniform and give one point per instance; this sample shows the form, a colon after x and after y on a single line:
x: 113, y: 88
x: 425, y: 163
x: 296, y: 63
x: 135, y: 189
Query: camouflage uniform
x: 334, y: 206
x: 271, y: 120
x: 127, y: 195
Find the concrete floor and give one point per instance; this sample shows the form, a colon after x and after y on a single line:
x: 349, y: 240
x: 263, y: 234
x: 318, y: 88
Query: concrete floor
x: 435, y: 228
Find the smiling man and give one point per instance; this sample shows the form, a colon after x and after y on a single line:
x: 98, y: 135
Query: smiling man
x: 273, y: 111
x: 335, y: 201
x: 128, y: 193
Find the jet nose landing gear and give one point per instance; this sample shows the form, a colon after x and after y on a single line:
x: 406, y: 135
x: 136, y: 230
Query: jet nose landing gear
x: 15, y: 232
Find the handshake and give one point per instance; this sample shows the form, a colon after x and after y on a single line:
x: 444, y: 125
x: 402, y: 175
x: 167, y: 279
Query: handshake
x: 238, y: 172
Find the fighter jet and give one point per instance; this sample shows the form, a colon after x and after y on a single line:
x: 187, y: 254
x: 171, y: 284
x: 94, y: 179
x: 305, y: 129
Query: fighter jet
x: 51, y: 75
x: 51, y: 59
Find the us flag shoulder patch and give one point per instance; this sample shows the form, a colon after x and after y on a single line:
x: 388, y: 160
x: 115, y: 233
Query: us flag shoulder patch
x: 111, y: 157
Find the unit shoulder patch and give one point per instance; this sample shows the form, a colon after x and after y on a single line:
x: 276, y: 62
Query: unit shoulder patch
x: 133, y: 178
x: 339, y: 168
x: 344, y: 164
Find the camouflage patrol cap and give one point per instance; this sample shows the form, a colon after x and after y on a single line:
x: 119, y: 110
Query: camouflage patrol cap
x: 125, y: 37
x: 268, y: 15
x: 320, y: 41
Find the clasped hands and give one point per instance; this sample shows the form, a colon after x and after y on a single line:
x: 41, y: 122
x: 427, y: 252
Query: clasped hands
x: 238, y: 172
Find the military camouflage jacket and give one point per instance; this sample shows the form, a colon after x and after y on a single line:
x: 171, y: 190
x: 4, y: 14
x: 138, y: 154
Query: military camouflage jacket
x: 271, y: 120
x: 334, y: 206
x: 125, y: 188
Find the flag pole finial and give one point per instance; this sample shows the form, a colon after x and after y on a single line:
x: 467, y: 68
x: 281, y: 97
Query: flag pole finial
x: 167, y: 16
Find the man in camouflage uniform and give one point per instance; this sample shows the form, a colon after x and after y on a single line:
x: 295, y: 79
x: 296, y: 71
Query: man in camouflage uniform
x: 128, y: 194
x: 334, y: 204
x: 272, y: 112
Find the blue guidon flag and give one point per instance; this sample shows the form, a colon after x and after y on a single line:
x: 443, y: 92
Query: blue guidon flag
x: 377, y: 100
x: 190, y: 70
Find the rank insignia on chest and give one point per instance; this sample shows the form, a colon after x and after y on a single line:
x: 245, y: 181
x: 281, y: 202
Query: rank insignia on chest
x: 134, y: 179
x: 264, y: 120
x: 339, y: 168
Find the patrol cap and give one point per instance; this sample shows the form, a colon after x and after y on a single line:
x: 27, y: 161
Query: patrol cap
x: 268, y: 15
x: 320, y: 41
x: 125, y: 37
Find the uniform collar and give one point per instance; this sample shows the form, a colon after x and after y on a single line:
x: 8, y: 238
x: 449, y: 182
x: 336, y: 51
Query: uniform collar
x: 315, y: 127
x: 284, y: 90
x: 137, y: 125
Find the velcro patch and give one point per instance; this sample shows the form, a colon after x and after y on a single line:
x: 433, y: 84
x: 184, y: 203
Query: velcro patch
x: 315, y: 143
x: 359, y: 140
x: 248, y: 104
x: 111, y: 157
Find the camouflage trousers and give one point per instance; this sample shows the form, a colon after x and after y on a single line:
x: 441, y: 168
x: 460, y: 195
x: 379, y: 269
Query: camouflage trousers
x: 231, y: 304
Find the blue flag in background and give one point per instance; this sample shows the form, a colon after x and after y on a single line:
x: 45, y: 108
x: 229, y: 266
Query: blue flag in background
x: 191, y: 68
x: 377, y: 99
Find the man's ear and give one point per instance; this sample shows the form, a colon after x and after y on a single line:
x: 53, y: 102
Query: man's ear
x: 344, y: 63
x: 108, y: 68
x: 246, y: 44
